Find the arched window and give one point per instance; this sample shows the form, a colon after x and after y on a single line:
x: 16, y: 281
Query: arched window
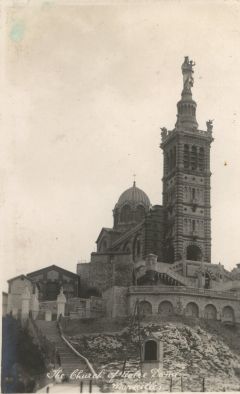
x: 165, y: 308
x: 210, y: 312
x: 228, y: 314
x: 201, y: 159
x: 194, y: 253
x: 126, y: 214
x: 174, y: 157
x: 115, y: 218
x: 167, y: 162
x: 140, y: 213
x: 127, y: 247
x: 185, y: 226
x: 145, y: 308
x: 192, y: 309
x: 103, y: 245
x: 137, y: 248
x: 185, y: 193
x: 207, y: 281
x: 52, y: 291
x: 193, y: 225
x: 194, y: 161
x: 186, y: 156
x: 171, y: 160
x: 193, y: 193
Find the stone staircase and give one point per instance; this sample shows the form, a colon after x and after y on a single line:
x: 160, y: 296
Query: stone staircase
x: 179, y: 278
x: 69, y: 360
x: 165, y: 272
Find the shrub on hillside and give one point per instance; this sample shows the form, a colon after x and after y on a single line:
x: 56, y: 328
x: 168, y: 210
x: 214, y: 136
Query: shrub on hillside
x: 22, y: 360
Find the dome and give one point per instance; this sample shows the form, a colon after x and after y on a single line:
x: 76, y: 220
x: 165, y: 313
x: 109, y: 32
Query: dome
x: 135, y: 196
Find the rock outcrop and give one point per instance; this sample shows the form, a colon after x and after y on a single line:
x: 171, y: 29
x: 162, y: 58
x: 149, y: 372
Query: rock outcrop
x: 190, y: 352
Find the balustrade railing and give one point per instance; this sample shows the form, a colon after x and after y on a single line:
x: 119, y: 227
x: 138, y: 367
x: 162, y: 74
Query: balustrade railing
x: 183, y: 290
x: 164, y: 268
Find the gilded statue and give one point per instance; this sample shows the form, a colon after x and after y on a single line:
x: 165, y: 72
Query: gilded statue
x: 187, y: 71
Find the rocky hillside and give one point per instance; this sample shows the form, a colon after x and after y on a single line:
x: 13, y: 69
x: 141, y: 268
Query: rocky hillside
x: 191, y: 352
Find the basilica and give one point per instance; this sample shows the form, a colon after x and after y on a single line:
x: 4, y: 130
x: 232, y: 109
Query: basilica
x: 180, y: 227
x: 158, y: 256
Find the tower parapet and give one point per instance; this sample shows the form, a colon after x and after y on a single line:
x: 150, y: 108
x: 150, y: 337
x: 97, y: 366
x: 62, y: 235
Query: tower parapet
x: 168, y: 134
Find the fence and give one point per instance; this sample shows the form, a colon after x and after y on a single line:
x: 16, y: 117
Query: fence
x: 172, y: 384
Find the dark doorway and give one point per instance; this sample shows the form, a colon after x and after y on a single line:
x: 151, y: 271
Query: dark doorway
x: 150, y: 351
x: 52, y: 291
x: 92, y: 291
x: 194, y: 253
x: 207, y: 281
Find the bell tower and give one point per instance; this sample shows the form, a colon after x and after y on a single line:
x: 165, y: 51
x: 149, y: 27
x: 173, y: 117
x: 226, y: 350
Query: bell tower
x: 186, y: 180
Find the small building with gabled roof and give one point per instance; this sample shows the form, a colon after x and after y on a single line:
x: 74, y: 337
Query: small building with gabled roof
x: 50, y: 280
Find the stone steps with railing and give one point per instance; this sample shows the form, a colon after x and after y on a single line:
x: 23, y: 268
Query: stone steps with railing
x: 164, y: 270
x: 70, y: 361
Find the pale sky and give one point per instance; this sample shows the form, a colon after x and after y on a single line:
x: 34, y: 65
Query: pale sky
x: 85, y: 92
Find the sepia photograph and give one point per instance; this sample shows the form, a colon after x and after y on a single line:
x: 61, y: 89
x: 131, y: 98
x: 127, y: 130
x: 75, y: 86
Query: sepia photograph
x: 120, y: 191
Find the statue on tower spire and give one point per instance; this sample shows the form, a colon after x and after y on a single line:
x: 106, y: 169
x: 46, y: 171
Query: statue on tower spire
x: 186, y: 115
x: 187, y: 71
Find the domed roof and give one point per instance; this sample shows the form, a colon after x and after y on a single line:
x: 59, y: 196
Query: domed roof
x: 134, y: 195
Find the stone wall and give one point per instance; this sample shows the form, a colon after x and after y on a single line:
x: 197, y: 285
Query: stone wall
x: 85, y: 307
x: 4, y: 303
x: 188, y: 305
x: 108, y: 271
x: 119, y: 302
x: 16, y: 289
x: 116, y: 302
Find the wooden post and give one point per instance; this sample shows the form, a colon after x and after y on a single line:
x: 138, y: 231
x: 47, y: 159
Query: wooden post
x: 171, y: 383
x: 81, y: 386
x: 203, y: 385
x: 124, y: 365
x: 182, y: 384
x: 48, y: 389
x: 90, y: 385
